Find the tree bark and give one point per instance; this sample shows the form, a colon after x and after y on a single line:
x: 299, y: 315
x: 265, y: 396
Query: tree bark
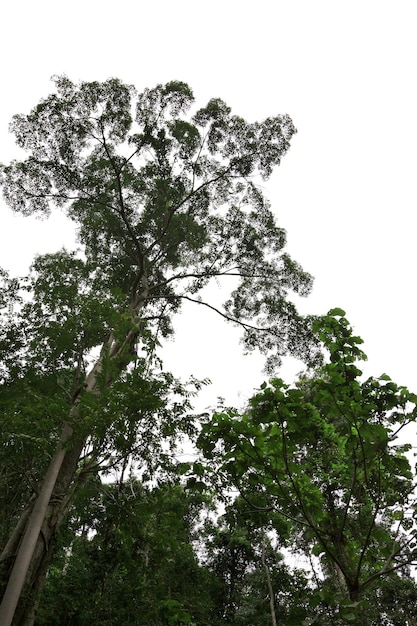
x: 56, y: 512
x: 11, y: 547
x: 30, y: 541
x: 57, y: 508
x: 270, y: 589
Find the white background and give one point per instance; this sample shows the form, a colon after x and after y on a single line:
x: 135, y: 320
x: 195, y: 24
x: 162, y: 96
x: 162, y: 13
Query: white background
x: 345, y: 193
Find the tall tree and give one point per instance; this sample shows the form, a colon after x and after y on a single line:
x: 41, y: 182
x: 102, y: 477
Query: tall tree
x: 324, y: 456
x: 164, y: 204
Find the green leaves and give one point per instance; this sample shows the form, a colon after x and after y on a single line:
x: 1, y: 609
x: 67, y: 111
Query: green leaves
x: 322, y: 455
x: 138, y: 559
x: 336, y: 313
x: 166, y: 203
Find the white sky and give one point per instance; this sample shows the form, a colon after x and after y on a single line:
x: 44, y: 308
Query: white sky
x: 345, y: 193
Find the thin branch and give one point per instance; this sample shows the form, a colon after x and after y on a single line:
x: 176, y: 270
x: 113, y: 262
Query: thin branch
x: 205, y: 274
x: 385, y: 571
x: 227, y: 317
x: 346, y: 509
x: 406, y: 423
x: 309, y: 520
x: 269, y: 583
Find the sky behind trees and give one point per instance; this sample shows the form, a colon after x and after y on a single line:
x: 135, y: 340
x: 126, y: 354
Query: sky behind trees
x: 346, y: 191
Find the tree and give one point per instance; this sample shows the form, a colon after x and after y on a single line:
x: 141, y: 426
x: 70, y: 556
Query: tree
x: 254, y: 584
x: 323, y: 455
x: 164, y: 204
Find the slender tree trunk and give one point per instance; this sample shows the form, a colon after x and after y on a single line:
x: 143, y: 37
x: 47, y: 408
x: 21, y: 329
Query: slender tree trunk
x: 270, y: 589
x: 36, y: 529
x: 56, y: 512
x: 47, y: 512
x: 11, y: 547
x: 28, y: 604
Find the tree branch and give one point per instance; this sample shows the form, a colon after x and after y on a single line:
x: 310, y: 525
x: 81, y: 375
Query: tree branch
x: 226, y: 317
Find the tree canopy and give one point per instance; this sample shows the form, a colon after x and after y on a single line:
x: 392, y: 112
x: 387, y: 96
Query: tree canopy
x: 164, y: 202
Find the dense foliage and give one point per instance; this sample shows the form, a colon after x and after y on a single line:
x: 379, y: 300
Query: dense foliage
x: 323, y: 461
x: 323, y: 482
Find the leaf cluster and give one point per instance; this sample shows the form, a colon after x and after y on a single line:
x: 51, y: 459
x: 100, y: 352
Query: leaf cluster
x: 324, y: 456
x: 165, y: 203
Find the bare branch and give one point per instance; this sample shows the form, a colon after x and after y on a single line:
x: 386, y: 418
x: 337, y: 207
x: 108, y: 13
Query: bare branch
x: 226, y: 317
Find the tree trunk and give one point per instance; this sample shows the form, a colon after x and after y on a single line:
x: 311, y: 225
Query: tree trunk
x: 11, y: 547
x: 56, y: 512
x: 31, y: 538
x: 269, y: 583
x: 54, y: 498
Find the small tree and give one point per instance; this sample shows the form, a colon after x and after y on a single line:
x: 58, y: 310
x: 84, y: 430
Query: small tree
x: 164, y: 204
x: 255, y: 585
x: 323, y: 455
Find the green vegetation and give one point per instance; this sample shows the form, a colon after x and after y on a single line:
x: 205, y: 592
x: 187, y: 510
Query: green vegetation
x: 99, y: 522
x: 321, y: 461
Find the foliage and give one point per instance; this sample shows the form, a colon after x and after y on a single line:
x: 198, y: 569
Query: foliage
x: 165, y: 203
x: 324, y: 456
x: 140, y: 555
x: 240, y: 551
x: 128, y: 559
